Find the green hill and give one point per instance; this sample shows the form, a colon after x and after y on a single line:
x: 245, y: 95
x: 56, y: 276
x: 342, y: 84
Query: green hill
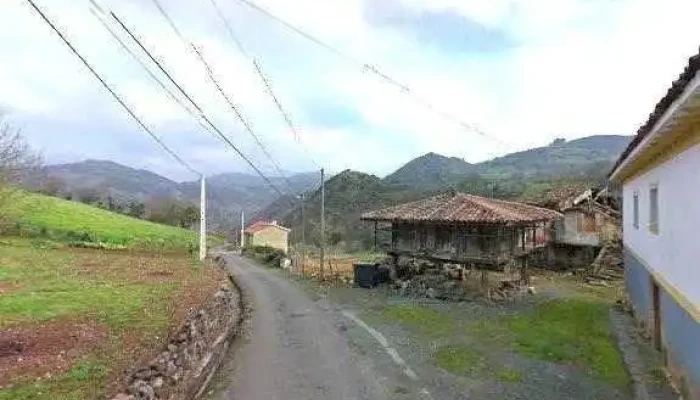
x: 593, y: 155
x: 348, y: 195
x: 36, y: 215
x: 430, y: 171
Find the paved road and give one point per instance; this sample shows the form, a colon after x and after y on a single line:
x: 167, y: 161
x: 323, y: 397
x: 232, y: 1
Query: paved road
x: 294, y: 349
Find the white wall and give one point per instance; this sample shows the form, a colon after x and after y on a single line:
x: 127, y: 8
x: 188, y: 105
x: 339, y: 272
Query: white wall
x: 675, y: 251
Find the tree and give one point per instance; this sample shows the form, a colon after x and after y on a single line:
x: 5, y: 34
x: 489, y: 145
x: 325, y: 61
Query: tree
x: 188, y: 216
x: 16, y: 160
x: 52, y: 186
x: 135, y: 209
x: 558, y: 142
x: 87, y: 195
x: 169, y: 211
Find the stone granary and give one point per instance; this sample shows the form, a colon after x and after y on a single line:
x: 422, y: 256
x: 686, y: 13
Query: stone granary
x: 464, y: 229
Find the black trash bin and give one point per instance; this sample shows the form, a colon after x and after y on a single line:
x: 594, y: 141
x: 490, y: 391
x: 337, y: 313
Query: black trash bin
x: 365, y: 274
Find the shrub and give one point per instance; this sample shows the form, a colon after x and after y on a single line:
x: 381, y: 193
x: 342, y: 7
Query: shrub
x: 266, y: 254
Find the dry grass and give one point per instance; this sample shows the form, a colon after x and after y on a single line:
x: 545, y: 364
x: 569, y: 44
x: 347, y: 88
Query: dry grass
x: 335, y: 265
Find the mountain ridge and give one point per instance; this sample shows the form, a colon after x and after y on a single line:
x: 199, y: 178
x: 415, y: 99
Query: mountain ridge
x: 349, y: 192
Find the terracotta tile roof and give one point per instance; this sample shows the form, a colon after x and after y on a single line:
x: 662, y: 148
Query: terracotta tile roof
x: 464, y: 208
x: 260, y: 225
x: 558, y: 197
x: 673, y: 93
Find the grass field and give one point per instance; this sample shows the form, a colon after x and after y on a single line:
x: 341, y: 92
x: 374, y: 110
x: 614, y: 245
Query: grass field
x: 72, y: 319
x: 71, y: 222
x: 74, y: 310
x: 568, y: 331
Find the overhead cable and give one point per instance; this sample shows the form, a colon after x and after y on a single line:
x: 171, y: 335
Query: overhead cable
x: 375, y: 70
x: 201, y: 114
x: 265, y: 80
x: 190, y: 47
x: 111, y: 91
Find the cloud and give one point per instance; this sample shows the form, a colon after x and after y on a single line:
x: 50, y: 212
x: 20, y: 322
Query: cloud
x: 444, y: 29
x: 523, y: 71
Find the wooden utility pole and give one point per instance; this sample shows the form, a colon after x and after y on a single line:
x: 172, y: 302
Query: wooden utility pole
x: 323, y: 222
x: 202, y: 221
x: 242, y: 229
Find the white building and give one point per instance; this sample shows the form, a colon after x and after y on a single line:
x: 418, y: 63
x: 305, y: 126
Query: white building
x: 660, y: 176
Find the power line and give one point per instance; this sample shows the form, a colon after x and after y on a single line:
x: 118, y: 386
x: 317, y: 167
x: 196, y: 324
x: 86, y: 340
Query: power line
x: 240, y: 116
x: 202, y: 115
x: 123, y: 45
x: 189, y: 46
x: 373, y: 69
x: 263, y: 77
x: 111, y: 91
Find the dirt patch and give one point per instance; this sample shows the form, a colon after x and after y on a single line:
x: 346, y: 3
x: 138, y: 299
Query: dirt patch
x: 52, y: 348
x: 7, y: 287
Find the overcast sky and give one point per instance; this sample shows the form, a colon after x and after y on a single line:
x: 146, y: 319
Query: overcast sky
x: 523, y: 71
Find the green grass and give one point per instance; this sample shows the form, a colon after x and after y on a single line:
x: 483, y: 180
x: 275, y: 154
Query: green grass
x: 510, y: 375
x: 421, y: 319
x: 69, y: 386
x: 134, y: 294
x: 574, y: 331
x: 67, y: 221
x: 461, y: 360
x: 470, y: 361
x: 49, y: 288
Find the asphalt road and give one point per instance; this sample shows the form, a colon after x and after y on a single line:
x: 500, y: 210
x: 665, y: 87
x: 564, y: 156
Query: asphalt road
x: 294, y: 349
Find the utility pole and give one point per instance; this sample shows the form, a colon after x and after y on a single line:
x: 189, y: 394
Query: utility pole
x: 242, y: 229
x: 303, y: 235
x: 202, y: 221
x: 323, y: 223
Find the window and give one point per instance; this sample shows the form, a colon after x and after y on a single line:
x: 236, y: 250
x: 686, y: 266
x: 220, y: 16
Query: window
x: 654, y: 210
x: 635, y: 210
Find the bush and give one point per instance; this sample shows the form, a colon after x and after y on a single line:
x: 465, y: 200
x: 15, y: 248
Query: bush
x: 266, y: 254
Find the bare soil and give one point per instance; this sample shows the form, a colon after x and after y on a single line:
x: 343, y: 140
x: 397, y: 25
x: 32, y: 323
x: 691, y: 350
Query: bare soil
x: 7, y: 287
x: 36, y: 350
x: 50, y: 348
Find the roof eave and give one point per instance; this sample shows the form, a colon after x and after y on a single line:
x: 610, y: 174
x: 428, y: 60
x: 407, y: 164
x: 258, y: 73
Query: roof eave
x: 692, y: 88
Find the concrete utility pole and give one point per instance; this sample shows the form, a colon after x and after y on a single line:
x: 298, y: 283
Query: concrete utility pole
x: 202, y: 221
x: 242, y: 229
x: 303, y: 234
x: 323, y: 223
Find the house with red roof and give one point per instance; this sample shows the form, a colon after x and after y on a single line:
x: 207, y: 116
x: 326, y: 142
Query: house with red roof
x: 267, y: 233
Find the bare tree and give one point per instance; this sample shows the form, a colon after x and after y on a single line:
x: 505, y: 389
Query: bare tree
x: 16, y: 160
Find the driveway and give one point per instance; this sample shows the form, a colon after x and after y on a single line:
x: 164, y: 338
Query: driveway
x: 294, y: 347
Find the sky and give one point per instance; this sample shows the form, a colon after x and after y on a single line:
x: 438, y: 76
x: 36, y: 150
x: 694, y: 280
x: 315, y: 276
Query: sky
x: 511, y: 74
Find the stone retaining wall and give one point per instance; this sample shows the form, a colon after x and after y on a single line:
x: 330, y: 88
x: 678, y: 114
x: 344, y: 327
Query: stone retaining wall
x: 185, y: 365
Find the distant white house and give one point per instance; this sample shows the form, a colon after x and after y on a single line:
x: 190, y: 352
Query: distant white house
x: 660, y: 177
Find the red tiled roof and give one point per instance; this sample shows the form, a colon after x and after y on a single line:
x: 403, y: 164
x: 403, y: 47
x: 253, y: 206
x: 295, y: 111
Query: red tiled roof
x: 673, y: 93
x: 463, y: 208
x: 260, y: 225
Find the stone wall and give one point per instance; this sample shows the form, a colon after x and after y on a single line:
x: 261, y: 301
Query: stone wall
x: 192, y: 355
